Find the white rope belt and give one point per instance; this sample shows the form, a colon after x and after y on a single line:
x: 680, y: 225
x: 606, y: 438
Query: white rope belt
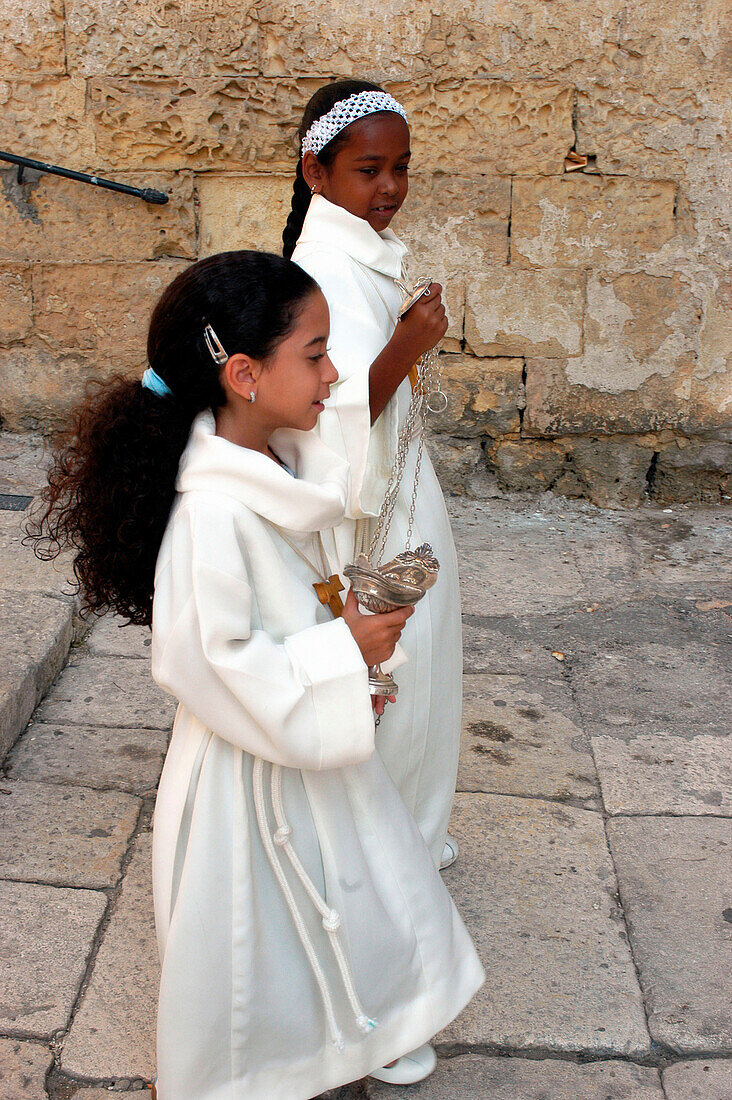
x: 331, y: 919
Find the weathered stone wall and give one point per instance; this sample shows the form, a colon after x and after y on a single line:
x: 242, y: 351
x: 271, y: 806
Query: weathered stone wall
x: 588, y: 309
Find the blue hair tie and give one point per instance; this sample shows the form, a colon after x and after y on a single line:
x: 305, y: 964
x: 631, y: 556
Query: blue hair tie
x: 153, y: 382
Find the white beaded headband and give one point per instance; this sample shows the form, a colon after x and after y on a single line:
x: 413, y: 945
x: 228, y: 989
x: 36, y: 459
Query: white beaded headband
x: 325, y: 128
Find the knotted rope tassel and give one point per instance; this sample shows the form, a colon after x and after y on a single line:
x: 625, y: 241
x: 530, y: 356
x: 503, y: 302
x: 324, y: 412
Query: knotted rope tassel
x: 269, y: 847
x: 331, y: 918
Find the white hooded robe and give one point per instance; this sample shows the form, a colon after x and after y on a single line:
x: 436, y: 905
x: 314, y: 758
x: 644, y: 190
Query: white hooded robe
x: 271, y: 765
x: 419, y: 737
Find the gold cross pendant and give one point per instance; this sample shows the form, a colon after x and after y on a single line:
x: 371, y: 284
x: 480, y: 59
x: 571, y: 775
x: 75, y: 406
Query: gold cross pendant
x: 328, y: 594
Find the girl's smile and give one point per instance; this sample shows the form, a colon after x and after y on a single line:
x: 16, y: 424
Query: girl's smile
x: 385, y: 212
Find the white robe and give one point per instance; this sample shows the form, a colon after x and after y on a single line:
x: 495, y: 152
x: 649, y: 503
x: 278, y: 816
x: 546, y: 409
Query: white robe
x: 271, y: 688
x: 419, y: 737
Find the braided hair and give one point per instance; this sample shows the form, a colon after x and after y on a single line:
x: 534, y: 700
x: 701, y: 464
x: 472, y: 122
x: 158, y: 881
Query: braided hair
x: 319, y: 104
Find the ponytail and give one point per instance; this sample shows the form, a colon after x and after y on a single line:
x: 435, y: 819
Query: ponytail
x: 109, y: 493
x: 113, y: 476
x: 319, y: 104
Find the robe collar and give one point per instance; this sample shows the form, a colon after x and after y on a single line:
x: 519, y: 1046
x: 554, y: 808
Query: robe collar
x: 326, y: 223
x: 314, y: 500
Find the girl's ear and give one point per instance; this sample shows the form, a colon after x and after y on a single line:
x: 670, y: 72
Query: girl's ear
x: 313, y: 171
x: 241, y: 374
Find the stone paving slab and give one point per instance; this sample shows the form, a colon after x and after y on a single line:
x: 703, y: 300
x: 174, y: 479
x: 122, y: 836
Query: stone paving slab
x: 508, y: 564
x: 678, y: 685
x: 513, y: 742
x: 665, y: 774
x: 21, y: 569
x: 604, y: 559
x: 608, y: 550
x: 23, y: 1069
x: 707, y: 1079
x: 536, y: 888
x: 35, y: 635
x: 675, y: 877
x: 65, y: 836
x: 112, y: 637
x: 470, y: 1076
x: 488, y: 647
x: 599, y: 546
x: 687, y: 638
x: 47, y: 938
x: 102, y: 757
x: 683, y: 546
x: 607, y: 626
x: 22, y: 463
x: 17, y: 695
x: 105, y: 691
x: 113, y: 1033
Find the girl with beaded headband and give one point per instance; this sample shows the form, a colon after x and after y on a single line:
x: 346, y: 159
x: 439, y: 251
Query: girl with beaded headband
x: 305, y: 935
x: 351, y: 179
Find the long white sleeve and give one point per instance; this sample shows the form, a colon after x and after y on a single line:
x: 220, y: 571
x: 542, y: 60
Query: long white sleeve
x: 355, y: 341
x: 301, y: 702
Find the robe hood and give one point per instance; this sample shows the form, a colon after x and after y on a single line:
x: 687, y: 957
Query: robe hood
x: 326, y: 223
x: 314, y: 500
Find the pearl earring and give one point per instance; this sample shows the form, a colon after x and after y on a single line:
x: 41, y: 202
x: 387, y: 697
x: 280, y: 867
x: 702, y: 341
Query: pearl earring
x: 252, y: 397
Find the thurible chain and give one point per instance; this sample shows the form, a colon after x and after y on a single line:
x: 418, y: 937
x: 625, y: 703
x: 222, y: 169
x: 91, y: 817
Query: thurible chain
x: 428, y: 388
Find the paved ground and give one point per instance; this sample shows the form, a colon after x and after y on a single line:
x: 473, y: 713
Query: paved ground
x: 594, y: 813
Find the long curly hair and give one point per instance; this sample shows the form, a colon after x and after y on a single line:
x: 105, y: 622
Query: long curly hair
x: 112, y: 479
x: 319, y: 104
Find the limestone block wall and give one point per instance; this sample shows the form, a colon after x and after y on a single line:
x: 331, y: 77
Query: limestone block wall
x: 589, y: 321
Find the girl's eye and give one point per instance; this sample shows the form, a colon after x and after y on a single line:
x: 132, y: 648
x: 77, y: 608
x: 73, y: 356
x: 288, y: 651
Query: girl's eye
x: 368, y: 171
x: 316, y: 358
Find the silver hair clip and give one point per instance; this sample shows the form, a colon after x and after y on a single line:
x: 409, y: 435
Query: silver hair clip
x: 215, y: 346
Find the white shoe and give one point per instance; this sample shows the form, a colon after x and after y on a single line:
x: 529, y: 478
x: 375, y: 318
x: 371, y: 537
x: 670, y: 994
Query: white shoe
x: 410, y: 1068
x: 449, y: 852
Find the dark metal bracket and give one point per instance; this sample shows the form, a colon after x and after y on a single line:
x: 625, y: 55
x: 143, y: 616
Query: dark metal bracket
x: 148, y: 194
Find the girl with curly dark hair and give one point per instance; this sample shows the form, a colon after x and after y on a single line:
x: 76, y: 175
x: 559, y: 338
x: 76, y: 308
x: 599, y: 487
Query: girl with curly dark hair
x: 305, y: 936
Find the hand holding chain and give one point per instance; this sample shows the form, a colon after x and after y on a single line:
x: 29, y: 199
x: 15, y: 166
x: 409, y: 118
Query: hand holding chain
x: 427, y: 396
x: 403, y: 581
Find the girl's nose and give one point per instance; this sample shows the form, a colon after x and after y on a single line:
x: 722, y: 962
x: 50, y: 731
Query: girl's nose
x: 331, y: 374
